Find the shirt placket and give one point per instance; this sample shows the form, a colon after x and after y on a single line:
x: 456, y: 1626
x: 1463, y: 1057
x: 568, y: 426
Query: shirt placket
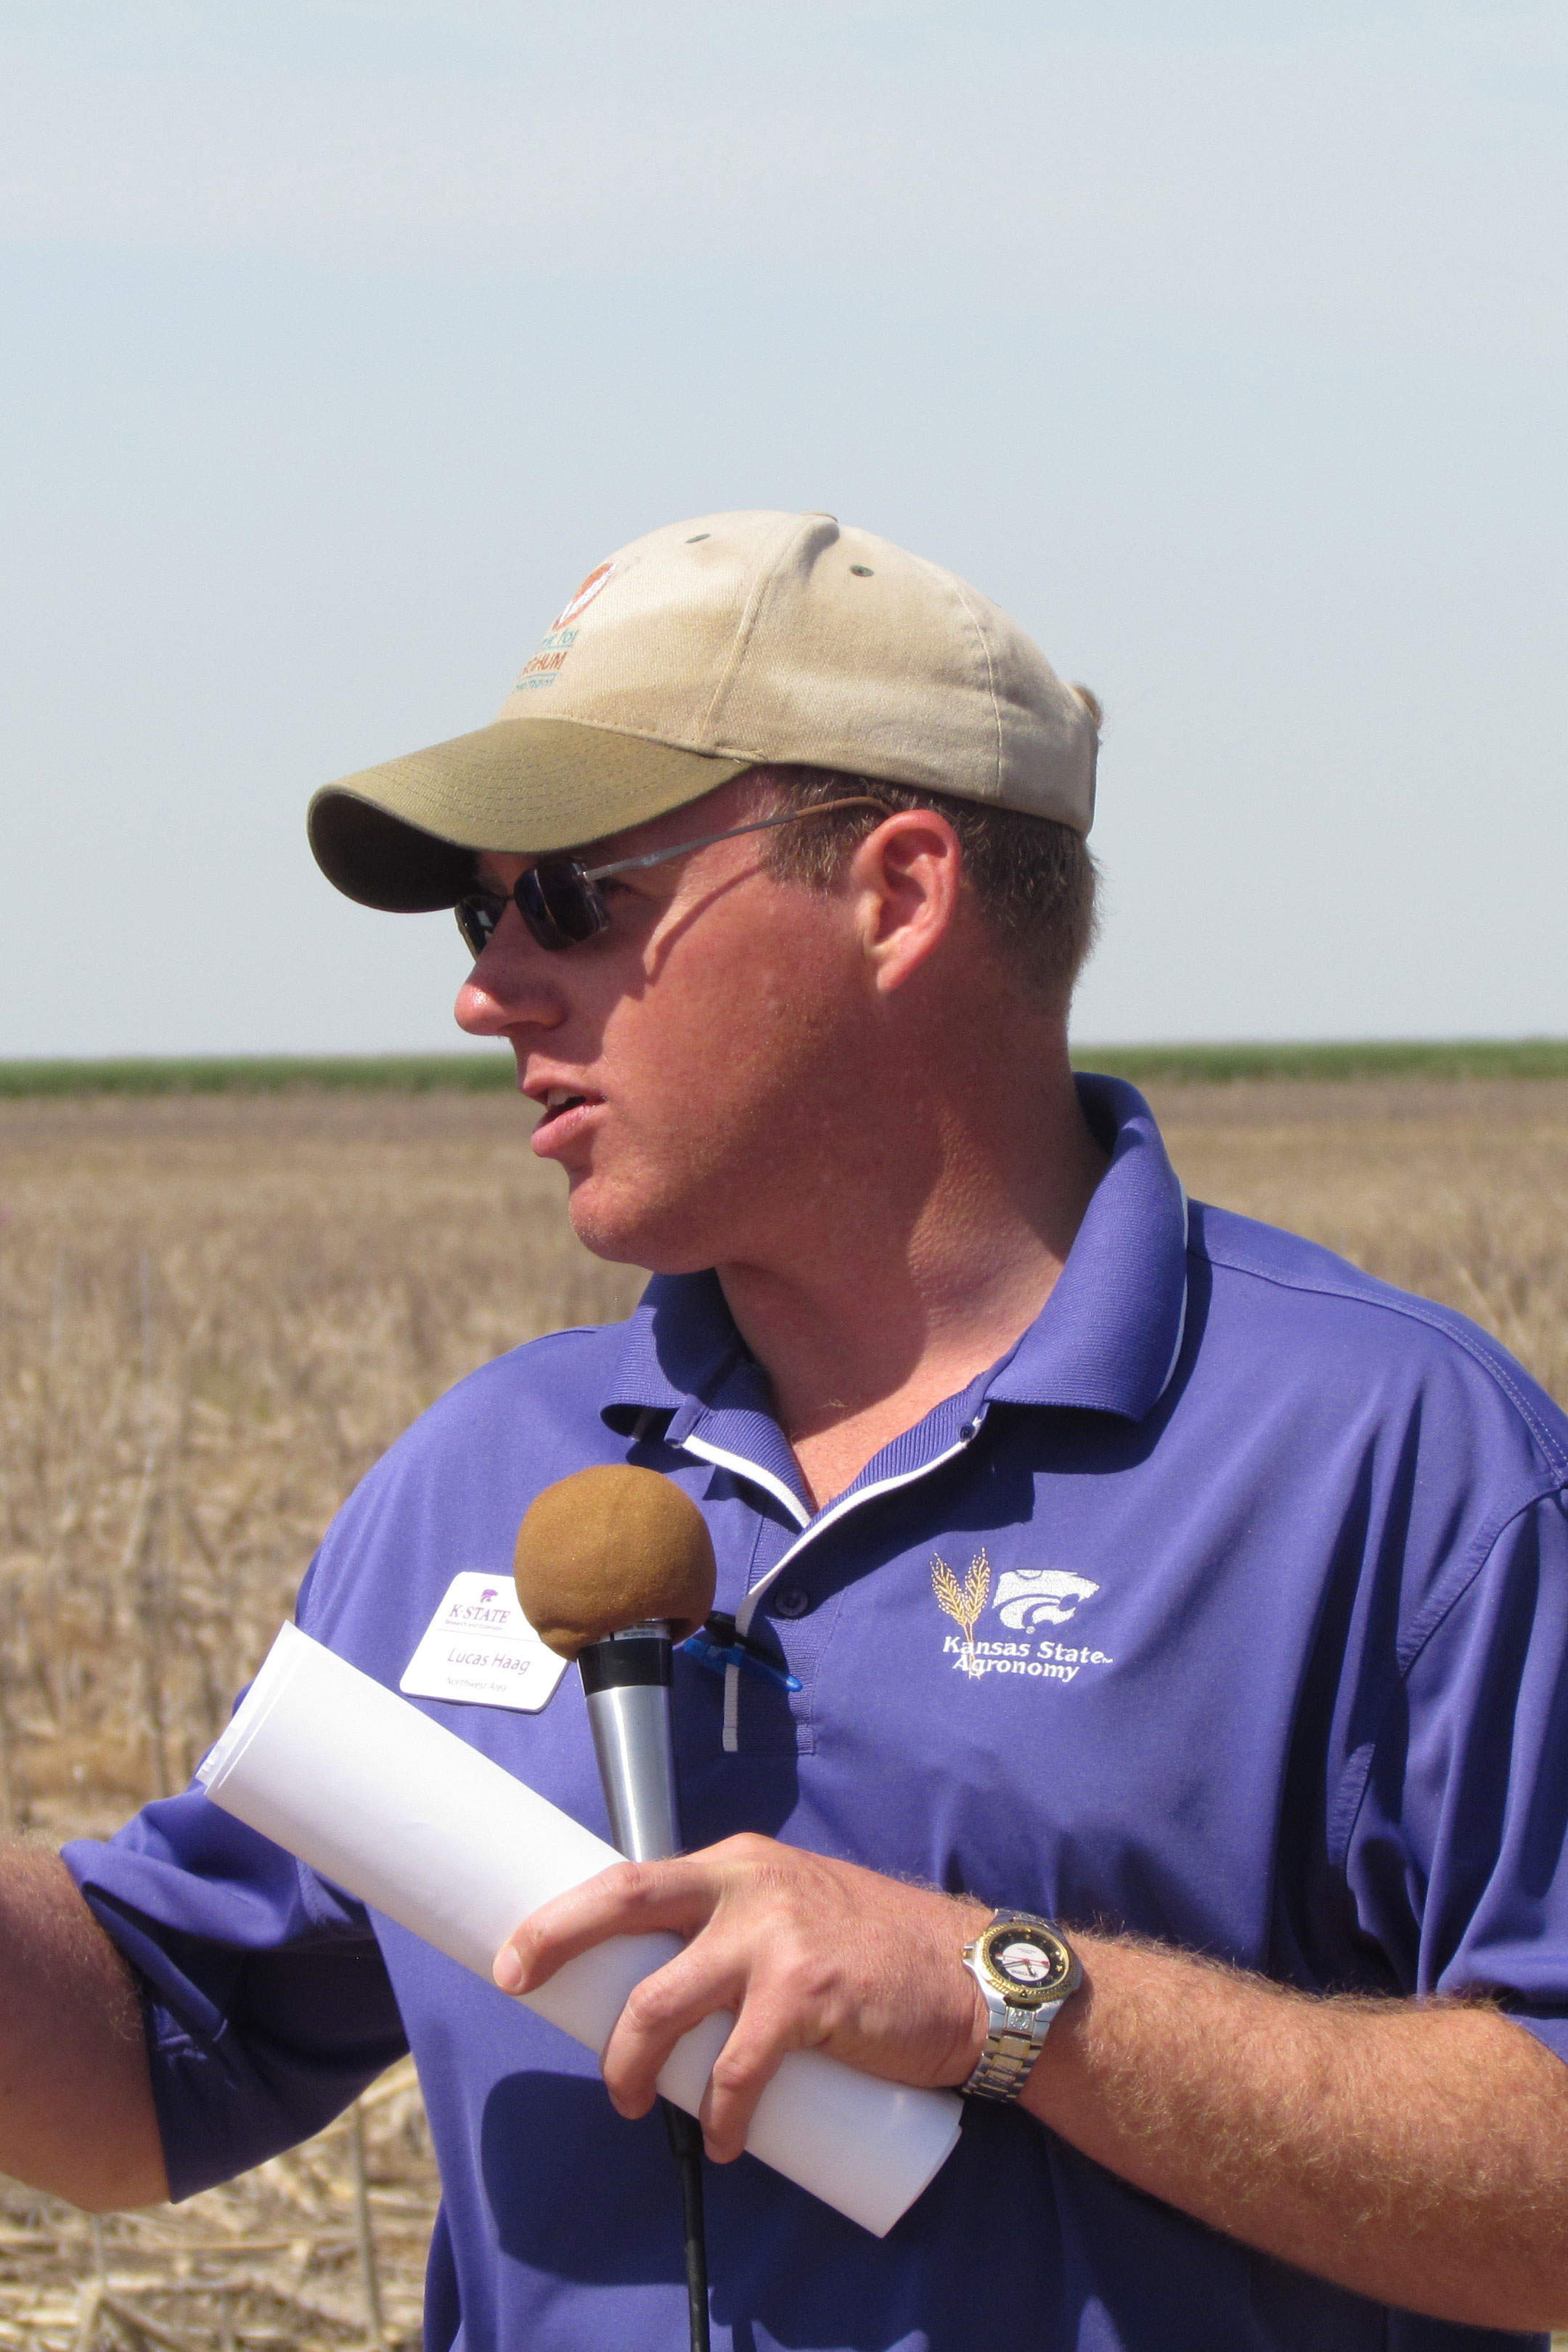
x: 710, y: 1445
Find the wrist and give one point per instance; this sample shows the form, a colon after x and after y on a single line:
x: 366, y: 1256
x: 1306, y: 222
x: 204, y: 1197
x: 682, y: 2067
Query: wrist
x: 966, y: 1919
x: 1024, y: 1973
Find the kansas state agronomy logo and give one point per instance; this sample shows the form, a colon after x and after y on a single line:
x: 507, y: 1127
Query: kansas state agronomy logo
x: 1034, y: 1596
x: 1025, y: 1599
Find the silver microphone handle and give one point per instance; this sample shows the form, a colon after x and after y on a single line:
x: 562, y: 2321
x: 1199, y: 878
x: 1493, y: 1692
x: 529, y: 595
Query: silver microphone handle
x: 627, y: 1682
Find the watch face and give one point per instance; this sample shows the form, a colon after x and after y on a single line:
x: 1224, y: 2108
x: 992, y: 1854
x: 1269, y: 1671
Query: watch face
x: 1027, y: 1963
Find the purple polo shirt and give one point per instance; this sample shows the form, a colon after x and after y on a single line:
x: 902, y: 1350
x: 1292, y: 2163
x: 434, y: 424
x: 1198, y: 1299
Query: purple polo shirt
x: 1261, y: 1579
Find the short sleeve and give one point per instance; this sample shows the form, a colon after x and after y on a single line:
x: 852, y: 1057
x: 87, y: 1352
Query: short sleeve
x: 1456, y: 1858
x: 267, y: 2002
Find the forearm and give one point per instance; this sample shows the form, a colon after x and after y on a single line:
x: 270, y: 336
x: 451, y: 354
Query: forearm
x: 76, y: 2102
x: 1417, y: 2154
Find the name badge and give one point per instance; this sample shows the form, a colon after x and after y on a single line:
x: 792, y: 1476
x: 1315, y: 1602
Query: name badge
x: 479, y: 1647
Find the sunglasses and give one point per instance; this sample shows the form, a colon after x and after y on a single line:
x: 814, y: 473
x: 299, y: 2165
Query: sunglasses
x: 560, y: 899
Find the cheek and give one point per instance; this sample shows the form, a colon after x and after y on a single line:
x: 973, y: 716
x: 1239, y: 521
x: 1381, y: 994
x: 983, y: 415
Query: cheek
x: 718, y: 1040
x: 770, y: 1021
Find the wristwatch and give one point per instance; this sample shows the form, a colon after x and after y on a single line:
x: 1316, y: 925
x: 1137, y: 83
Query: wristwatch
x: 1026, y: 1971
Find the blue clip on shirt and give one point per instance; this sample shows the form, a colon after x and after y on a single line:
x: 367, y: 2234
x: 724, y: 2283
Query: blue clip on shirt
x: 1271, y: 1565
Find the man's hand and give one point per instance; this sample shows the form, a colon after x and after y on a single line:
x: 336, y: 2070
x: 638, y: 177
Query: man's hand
x: 806, y: 1953
x: 1414, y: 2152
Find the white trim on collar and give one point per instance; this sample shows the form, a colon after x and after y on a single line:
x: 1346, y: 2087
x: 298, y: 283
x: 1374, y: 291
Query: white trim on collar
x: 753, y: 1472
x: 1187, y: 1287
x: 809, y: 1529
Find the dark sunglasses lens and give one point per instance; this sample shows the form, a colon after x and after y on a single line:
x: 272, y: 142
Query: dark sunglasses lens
x: 478, y: 916
x: 559, y: 904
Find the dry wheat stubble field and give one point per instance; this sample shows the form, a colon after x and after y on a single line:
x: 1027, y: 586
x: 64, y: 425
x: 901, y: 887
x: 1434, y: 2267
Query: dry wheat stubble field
x: 217, y: 1311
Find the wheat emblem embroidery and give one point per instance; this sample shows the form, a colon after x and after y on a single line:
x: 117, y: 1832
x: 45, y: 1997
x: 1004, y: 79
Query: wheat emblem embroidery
x: 964, y: 1603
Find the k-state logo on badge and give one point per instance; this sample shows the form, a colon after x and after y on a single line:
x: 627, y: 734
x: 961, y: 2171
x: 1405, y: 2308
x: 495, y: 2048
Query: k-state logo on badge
x: 479, y: 1647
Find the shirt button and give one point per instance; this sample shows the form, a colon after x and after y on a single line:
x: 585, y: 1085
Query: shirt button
x: 792, y: 1601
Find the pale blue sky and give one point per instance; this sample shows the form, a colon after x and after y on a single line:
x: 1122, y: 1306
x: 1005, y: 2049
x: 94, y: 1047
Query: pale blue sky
x: 1224, y: 344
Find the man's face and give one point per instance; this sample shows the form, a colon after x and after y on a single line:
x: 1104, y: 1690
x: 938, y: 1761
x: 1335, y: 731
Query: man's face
x: 695, y: 1063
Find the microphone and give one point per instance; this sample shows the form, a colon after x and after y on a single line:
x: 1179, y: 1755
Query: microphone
x: 613, y: 1565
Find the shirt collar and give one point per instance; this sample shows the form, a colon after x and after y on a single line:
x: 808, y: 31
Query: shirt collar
x: 1109, y: 1335
x: 1106, y: 1340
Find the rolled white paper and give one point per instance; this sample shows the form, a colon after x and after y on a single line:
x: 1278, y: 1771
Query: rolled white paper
x: 391, y: 1806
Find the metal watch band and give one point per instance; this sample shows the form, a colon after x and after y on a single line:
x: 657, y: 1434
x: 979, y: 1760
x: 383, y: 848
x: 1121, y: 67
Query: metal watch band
x: 1010, y: 2051
x: 1016, y: 2036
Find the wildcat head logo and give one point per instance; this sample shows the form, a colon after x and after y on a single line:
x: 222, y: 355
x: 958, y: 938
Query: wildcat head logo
x: 1034, y: 1596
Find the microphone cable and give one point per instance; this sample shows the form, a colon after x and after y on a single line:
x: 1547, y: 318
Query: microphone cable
x: 686, y: 2146
x: 614, y: 1564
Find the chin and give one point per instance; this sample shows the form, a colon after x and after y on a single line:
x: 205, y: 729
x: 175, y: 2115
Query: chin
x: 665, y: 1239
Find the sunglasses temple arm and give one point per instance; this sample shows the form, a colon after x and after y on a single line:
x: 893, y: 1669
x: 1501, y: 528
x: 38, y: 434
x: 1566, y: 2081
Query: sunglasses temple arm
x: 763, y: 825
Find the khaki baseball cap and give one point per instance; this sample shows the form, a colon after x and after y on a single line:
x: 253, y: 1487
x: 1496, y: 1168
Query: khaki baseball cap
x: 711, y: 646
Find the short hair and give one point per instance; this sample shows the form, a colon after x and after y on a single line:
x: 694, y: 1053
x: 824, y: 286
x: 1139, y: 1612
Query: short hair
x: 1034, y: 880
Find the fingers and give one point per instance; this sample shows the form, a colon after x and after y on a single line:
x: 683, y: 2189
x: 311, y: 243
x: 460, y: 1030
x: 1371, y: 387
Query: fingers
x: 755, y: 2050
x: 630, y: 1898
x: 763, y: 2027
x: 799, y: 1951
x: 716, y: 1973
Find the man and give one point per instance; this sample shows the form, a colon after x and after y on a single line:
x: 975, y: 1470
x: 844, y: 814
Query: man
x: 1144, y: 1572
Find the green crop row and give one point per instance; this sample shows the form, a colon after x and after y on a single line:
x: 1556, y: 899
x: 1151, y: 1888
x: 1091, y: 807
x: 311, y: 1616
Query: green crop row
x: 1521, y: 1057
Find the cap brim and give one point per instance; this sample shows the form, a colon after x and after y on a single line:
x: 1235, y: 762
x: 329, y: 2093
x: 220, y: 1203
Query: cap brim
x: 403, y: 836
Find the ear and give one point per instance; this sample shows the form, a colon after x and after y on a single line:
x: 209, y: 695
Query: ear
x: 905, y: 879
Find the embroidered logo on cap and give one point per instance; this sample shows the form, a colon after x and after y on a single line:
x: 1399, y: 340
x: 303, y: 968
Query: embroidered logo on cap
x: 546, y: 664
x: 584, y: 597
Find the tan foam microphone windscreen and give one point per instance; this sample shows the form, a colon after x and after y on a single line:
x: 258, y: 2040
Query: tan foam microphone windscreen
x: 609, y: 1547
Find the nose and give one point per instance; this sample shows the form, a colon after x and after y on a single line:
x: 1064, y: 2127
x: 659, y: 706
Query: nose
x: 512, y: 986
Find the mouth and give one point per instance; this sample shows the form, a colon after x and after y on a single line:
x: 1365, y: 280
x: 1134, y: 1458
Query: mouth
x: 556, y: 1102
